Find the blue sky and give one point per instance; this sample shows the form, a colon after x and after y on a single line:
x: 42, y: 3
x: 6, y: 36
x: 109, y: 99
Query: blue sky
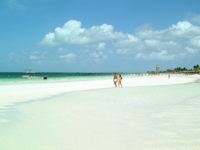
x: 99, y: 35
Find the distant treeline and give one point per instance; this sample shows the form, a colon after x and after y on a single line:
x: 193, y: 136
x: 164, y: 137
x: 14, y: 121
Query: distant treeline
x: 196, y: 68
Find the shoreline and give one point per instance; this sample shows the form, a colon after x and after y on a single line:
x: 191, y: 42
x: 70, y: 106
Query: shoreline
x: 10, y: 94
x: 145, y: 117
x: 149, y: 112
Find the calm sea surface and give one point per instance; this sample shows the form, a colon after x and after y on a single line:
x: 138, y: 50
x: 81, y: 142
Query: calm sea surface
x: 16, y: 77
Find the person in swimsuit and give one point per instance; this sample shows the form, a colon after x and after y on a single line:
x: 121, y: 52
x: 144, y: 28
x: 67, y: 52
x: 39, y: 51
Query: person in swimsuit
x: 115, y: 79
x: 120, y: 81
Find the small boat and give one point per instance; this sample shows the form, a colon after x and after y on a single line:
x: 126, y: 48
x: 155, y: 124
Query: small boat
x: 29, y: 74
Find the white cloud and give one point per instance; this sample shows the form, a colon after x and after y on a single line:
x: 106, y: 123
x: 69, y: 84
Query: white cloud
x: 168, y: 44
x: 187, y: 53
x: 63, y: 50
x: 45, y: 57
x: 129, y: 42
x: 124, y: 51
x: 98, y: 57
x: 195, y: 42
x: 163, y: 55
x: 181, y: 30
x: 68, y: 57
x: 98, y: 46
x: 72, y: 33
x: 128, y: 46
x: 101, y: 45
x: 177, y: 41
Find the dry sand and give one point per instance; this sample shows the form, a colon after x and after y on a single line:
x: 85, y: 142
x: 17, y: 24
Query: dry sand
x: 10, y: 94
x: 75, y: 115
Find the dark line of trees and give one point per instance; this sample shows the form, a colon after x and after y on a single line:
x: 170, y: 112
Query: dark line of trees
x: 196, y: 68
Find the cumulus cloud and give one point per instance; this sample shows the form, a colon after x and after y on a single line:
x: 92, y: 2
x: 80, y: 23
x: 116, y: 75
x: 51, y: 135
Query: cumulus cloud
x: 130, y: 41
x: 194, y: 42
x: 180, y: 40
x: 73, y: 33
x: 181, y: 30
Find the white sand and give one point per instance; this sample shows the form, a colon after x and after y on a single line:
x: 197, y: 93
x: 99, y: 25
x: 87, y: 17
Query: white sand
x: 10, y: 94
x: 142, y: 117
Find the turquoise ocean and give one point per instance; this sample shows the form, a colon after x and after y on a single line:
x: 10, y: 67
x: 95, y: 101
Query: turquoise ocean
x: 16, y: 77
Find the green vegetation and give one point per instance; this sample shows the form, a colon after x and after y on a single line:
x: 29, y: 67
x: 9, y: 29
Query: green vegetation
x: 196, y: 69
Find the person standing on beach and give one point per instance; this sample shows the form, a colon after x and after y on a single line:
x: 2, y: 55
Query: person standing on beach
x: 120, y: 81
x: 115, y: 79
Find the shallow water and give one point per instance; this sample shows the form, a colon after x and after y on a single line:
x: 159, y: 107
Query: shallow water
x: 154, y: 117
x: 16, y: 78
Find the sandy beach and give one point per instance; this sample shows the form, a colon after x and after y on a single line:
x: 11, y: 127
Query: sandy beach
x: 149, y: 112
x: 19, y: 93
